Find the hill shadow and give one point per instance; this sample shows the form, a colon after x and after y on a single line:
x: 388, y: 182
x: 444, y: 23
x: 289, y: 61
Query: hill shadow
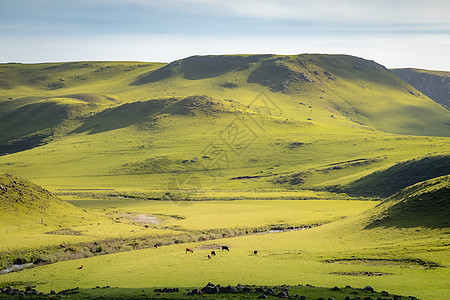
x: 200, y: 67
x: 121, y: 116
x: 426, y: 204
x: 26, y: 127
x: 387, y: 182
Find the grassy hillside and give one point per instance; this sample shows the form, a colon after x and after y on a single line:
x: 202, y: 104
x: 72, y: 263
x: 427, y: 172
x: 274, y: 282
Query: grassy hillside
x: 234, y: 122
x: 387, y: 182
x: 434, y: 84
x: 425, y: 204
x: 24, y: 202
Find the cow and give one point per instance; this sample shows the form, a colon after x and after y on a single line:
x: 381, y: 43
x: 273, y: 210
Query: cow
x: 213, y: 253
x: 209, y: 256
x: 189, y: 250
x: 156, y: 246
x: 255, y: 252
x: 63, y: 245
x: 225, y: 248
x: 80, y: 267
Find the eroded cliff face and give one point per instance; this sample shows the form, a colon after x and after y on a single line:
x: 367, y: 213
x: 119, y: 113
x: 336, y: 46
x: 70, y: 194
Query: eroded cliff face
x: 434, y: 84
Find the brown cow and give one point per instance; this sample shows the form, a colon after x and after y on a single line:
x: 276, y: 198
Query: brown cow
x: 80, y: 267
x: 189, y: 250
x: 209, y: 256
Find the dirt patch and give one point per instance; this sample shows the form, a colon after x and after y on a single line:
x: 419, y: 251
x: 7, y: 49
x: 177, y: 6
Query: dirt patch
x: 209, y: 247
x: 65, y: 231
x: 363, y: 273
x: 142, y: 218
x: 399, y: 263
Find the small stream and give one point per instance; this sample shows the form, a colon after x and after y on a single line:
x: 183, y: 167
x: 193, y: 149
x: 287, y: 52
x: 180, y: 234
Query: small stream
x: 15, y: 268
x: 282, y: 230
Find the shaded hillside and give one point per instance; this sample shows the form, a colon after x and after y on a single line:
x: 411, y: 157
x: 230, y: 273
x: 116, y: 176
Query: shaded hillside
x: 26, y: 126
x: 151, y: 110
x: 387, y: 182
x: 426, y: 204
x: 434, y: 84
x: 201, y: 67
x: 41, y: 101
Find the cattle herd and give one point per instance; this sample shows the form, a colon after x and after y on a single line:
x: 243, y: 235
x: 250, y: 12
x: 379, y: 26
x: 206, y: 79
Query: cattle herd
x: 213, y: 253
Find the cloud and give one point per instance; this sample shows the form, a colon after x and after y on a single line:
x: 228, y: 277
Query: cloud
x: 395, y: 33
x: 421, y: 51
x: 342, y: 11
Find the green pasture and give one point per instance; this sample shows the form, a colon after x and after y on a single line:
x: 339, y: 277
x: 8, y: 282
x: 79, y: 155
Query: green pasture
x: 204, y: 215
x: 283, y: 258
x: 125, y: 218
x: 224, y: 146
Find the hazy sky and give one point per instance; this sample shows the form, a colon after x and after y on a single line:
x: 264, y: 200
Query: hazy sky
x: 395, y: 33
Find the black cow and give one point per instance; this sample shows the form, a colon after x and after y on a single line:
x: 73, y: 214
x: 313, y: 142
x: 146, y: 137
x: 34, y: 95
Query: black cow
x: 213, y: 253
x: 225, y: 248
x: 255, y: 252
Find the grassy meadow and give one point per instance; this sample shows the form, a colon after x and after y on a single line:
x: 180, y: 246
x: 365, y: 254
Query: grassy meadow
x: 112, y: 158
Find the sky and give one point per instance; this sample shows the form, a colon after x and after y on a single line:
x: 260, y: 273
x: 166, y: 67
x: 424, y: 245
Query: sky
x: 394, y: 33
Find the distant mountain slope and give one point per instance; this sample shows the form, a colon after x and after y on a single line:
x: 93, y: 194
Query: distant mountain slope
x: 425, y: 204
x: 387, y: 182
x: 358, y: 90
x: 434, y: 84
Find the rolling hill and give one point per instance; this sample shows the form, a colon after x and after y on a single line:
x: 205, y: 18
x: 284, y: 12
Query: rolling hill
x: 385, y: 183
x: 237, y: 122
x: 425, y: 204
x: 22, y: 202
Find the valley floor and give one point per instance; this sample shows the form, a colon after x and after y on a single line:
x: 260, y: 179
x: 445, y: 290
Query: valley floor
x: 340, y: 252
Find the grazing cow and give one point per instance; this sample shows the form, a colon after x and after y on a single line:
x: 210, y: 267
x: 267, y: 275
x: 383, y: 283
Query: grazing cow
x: 189, y: 250
x: 156, y: 246
x: 146, y: 226
x: 255, y: 252
x: 80, y: 267
x: 225, y: 248
x: 213, y: 253
x: 318, y: 224
x: 209, y: 256
x: 63, y: 245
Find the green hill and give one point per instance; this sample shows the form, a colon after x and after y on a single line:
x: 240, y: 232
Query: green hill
x: 21, y: 201
x: 241, y: 121
x: 425, y: 204
x: 434, y: 84
x: 387, y: 182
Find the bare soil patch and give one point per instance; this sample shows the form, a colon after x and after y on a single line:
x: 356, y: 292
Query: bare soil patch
x: 362, y: 273
x: 209, y: 247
